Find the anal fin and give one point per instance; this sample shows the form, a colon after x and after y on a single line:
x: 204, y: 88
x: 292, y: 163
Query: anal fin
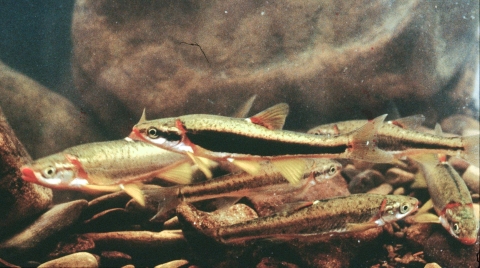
x: 133, y: 190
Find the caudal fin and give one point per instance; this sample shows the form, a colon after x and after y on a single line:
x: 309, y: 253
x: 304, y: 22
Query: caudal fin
x: 364, y: 143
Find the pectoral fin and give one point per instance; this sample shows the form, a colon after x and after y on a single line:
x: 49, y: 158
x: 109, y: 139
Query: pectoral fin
x: 201, y: 165
x: 291, y: 169
x: 180, y: 173
x: 251, y: 167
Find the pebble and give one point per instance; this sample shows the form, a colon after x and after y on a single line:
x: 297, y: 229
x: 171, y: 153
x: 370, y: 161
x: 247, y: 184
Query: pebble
x: 432, y: 265
x: 399, y: 191
x: 397, y: 177
x: 365, y: 181
x: 79, y: 259
x: 172, y: 224
x: 384, y: 188
x: 173, y: 264
x: 50, y: 223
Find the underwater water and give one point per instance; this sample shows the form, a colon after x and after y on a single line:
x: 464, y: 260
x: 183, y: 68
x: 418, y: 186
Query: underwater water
x: 78, y: 72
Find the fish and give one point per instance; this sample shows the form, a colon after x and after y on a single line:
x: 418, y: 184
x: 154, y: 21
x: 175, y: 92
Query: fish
x: 450, y: 199
x: 344, y: 214
x: 246, y: 141
x: 241, y: 184
x: 401, y: 139
x: 108, y: 167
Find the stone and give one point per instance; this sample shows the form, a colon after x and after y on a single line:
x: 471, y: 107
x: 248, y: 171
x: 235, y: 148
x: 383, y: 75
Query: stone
x: 398, y: 177
x: 301, y: 52
x: 365, y: 181
x: 173, y: 264
x: 44, y: 121
x: 471, y: 176
x: 80, y: 259
x: 20, y: 200
x: 448, y: 252
x: 52, y: 222
x: 383, y: 188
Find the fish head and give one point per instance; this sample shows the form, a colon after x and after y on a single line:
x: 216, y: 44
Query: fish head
x: 52, y: 171
x: 397, y: 207
x: 460, y: 222
x: 324, y: 169
x: 164, y: 132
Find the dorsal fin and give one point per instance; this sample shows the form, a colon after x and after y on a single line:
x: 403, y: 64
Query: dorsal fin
x: 438, y: 130
x: 243, y: 110
x: 409, y: 122
x: 143, y: 118
x: 271, y: 118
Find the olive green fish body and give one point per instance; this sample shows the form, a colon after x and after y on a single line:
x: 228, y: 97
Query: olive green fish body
x: 451, y: 198
x: 403, y: 141
x: 240, y: 184
x: 336, y: 215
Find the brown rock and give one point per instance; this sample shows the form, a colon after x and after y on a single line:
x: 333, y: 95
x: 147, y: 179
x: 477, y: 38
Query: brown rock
x: 300, y: 52
x: 80, y: 259
x: 383, y: 188
x: 471, y: 176
x: 448, y: 252
x: 200, y: 220
x: 397, y: 177
x: 365, y: 181
x: 417, y: 235
x: 57, y: 219
x: 114, y: 258
x: 44, y: 121
x: 72, y: 245
x: 20, y: 199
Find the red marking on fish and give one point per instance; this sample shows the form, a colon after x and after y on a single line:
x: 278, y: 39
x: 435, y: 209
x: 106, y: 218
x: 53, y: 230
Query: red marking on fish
x: 74, y: 161
x: 28, y: 175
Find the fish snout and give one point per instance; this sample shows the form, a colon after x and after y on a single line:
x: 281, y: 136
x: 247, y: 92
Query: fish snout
x: 135, y: 135
x: 468, y: 240
x: 28, y: 174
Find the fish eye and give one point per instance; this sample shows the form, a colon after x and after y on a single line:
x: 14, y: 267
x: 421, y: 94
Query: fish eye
x: 456, y: 228
x: 404, y: 208
x: 332, y: 170
x: 153, y: 133
x: 49, y: 172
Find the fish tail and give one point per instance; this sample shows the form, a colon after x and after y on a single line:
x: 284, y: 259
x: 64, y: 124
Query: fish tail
x: 471, y: 149
x: 364, y: 143
x: 165, y: 198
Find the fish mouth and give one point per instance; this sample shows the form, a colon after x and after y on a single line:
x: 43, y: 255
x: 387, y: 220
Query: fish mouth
x: 28, y: 174
x: 135, y: 135
x: 468, y: 240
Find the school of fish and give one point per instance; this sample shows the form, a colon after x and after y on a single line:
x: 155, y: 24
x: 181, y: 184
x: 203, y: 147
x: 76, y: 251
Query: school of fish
x: 270, y: 159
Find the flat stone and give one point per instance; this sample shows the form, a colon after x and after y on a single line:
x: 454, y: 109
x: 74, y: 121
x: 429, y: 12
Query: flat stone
x: 471, y: 176
x: 173, y: 264
x: 398, y: 177
x: 80, y: 259
x: 55, y: 220
x: 383, y: 188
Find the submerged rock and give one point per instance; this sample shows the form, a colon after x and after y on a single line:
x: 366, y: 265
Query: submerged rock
x: 80, y: 259
x: 20, y: 200
x: 52, y: 222
x: 302, y: 52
